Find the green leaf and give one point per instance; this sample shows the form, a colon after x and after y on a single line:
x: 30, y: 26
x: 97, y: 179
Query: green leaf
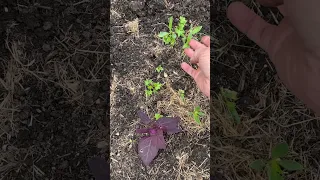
x: 274, y: 171
x: 196, y: 29
x: 159, y: 68
x: 157, y: 86
x: 273, y: 174
x: 197, y: 109
x: 258, y: 164
x: 185, y: 46
x: 290, y: 165
x: 200, y: 113
x: 170, y: 23
x: 233, y: 111
x: 148, y: 82
x: 182, y: 20
x: 280, y: 150
x: 231, y: 95
x: 148, y: 92
x: 174, y: 36
x: 157, y: 116
x: 162, y: 34
x: 197, y: 119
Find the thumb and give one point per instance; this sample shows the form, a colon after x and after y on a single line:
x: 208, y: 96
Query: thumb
x: 251, y: 24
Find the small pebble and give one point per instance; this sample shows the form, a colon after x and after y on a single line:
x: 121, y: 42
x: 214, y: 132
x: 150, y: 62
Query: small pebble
x: 46, y: 47
x: 47, y: 25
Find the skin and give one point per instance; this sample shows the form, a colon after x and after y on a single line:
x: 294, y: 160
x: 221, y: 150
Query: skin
x: 293, y: 46
x: 199, y: 54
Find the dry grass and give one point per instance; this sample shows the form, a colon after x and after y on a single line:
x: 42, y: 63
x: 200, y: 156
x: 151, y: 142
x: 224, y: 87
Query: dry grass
x: 172, y: 104
x: 275, y: 116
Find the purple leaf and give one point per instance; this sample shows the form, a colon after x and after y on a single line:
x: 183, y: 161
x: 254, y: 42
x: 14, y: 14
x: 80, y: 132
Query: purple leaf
x: 147, y: 152
x: 158, y: 140
x: 169, y: 124
x: 143, y: 130
x: 144, y: 117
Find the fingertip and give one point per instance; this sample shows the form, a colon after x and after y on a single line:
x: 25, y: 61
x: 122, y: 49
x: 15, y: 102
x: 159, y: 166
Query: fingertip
x: 206, y: 40
x: 187, y: 68
x: 195, y: 44
x: 189, y: 52
x: 234, y: 9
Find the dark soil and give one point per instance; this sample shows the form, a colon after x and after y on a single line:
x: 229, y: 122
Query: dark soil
x: 54, y: 69
x: 134, y: 59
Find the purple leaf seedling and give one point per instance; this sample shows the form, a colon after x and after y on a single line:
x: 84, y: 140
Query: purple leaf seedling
x: 150, y: 144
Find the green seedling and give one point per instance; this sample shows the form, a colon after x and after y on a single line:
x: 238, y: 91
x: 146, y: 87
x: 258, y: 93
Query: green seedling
x: 159, y: 69
x: 181, y: 94
x: 230, y: 98
x: 196, y: 114
x: 169, y: 37
x: 180, y: 28
x: 152, y: 87
x: 157, y: 116
x: 187, y: 38
x: 277, y: 165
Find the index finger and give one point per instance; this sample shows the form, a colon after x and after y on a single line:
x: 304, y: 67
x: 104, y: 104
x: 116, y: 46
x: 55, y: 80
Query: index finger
x: 251, y: 24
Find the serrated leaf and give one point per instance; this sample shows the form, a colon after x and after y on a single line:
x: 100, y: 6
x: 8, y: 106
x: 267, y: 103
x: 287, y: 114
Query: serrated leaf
x: 144, y: 118
x: 162, y: 34
x: 280, y: 150
x: 147, y: 152
x: 148, y: 92
x: 196, y: 29
x: 169, y: 124
x: 158, y: 140
x: 290, y: 165
x: 147, y: 82
x: 258, y: 164
x: 182, y: 20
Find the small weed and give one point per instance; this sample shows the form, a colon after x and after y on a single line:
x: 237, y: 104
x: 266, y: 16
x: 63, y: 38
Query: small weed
x: 157, y: 116
x: 196, y: 114
x: 229, y: 98
x: 159, y: 69
x: 152, y: 87
x: 273, y: 166
x: 187, y: 38
x: 171, y: 36
x: 181, y: 94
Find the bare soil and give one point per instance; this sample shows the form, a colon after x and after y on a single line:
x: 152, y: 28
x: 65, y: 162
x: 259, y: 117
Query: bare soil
x: 135, y: 56
x: 54, y: 86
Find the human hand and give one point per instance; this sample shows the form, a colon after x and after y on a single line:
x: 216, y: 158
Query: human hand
x: 293, y: 46
x: 199, y: 54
